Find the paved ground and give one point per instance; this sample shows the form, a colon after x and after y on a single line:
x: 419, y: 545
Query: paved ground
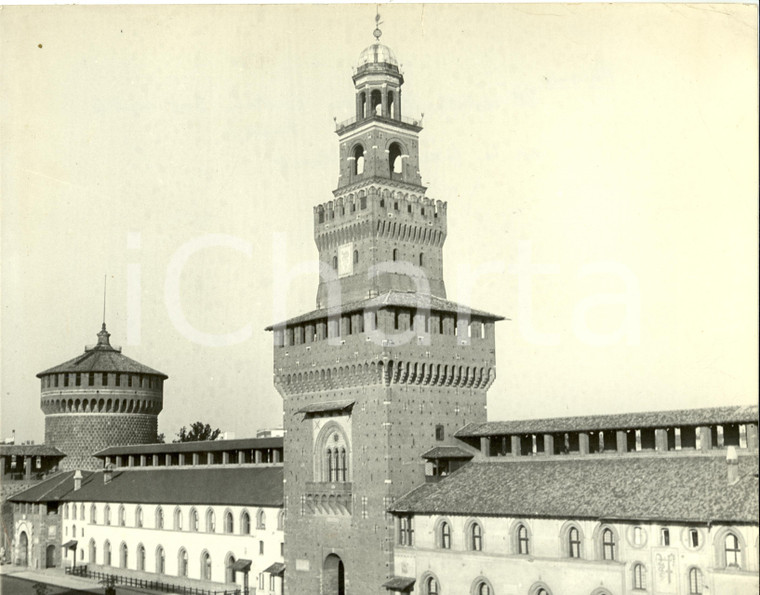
x: 14, y: 585
x: 15, y: 581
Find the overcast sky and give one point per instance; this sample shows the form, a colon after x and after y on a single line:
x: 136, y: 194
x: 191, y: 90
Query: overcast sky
x: 614, y: 147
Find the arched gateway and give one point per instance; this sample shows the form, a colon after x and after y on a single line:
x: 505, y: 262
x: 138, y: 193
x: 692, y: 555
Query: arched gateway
x: 333, y: 581
x: 23, y: 549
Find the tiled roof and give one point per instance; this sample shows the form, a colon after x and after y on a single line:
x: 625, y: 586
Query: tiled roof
x: 447, y: 452
x: 327, y: 406
x: 391, y: 298
x: 245, y: 486
x: 276, y: 569
x: 657, y: 488
x: 399, y: 583
x: 30, y: 450
x: 102, y: 358
x: 49, y: 490
x: 648, y: 419
x: 199, y: 446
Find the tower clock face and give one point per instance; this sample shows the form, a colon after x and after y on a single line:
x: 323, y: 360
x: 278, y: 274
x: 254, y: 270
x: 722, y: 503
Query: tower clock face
x: 346, y: 260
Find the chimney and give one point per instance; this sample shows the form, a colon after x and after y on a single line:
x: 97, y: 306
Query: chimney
x: 77, y: 480
x: 732, y: 462
x: 107, y: 473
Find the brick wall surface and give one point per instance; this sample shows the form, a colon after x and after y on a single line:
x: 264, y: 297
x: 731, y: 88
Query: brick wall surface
x: 82, y: 435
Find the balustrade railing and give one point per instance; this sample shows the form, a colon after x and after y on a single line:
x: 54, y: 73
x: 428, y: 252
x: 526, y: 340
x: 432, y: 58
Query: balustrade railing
x: 109, y: 579
x: 348, y: 122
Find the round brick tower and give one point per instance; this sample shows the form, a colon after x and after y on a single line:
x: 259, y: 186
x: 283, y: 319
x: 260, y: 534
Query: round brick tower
x: 99, y: 399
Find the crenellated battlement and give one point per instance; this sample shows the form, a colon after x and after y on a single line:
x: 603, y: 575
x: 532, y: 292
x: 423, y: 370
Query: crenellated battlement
x: 379, y: 198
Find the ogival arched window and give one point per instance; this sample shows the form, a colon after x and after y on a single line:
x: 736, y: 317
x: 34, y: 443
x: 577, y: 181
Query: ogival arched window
x: 334, y: 454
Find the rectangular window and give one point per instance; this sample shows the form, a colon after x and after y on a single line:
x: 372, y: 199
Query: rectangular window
x: 91, y: 379
x: 406, y: 531
x: 118, y: 380
x: 282, y: 549
x: 694, y: 538
x: 664, y: 536
x: 104, y: 379
x: 261, y: 548
x: 363, y: 202
x: 439, y: 433
x: 56, y: 380
x: 78, y: 379
x: 129, y: 380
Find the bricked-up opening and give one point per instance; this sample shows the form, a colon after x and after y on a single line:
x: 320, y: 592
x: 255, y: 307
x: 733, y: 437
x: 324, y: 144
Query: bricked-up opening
x: 160, y: 560
x: 333, y: 576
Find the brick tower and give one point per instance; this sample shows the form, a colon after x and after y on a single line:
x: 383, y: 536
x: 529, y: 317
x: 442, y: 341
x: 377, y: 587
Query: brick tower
x: 101, y: 398
x: 385, y: 368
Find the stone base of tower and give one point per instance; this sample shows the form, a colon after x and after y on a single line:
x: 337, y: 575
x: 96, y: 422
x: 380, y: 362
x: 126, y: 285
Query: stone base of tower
x: 82, y: 435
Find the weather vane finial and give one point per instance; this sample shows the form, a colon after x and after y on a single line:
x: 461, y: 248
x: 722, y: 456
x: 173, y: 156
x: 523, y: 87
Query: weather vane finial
x: 377, y: 33
x: 105, y: 281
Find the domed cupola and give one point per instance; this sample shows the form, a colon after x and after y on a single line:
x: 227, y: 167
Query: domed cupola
x: 378, y: 81
x: 378, y: 55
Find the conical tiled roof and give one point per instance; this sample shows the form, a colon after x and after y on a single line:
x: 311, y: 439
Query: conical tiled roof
x: 102, y: 357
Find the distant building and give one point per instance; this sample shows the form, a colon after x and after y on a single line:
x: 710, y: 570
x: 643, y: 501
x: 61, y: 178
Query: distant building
x: 98, y: 399
x: 203, y: 515
x: 664, y: 517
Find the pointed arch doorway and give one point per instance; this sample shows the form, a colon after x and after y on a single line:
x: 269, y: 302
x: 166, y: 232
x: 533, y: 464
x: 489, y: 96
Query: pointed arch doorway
x: 333, y: 576
x: 23, y: 549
